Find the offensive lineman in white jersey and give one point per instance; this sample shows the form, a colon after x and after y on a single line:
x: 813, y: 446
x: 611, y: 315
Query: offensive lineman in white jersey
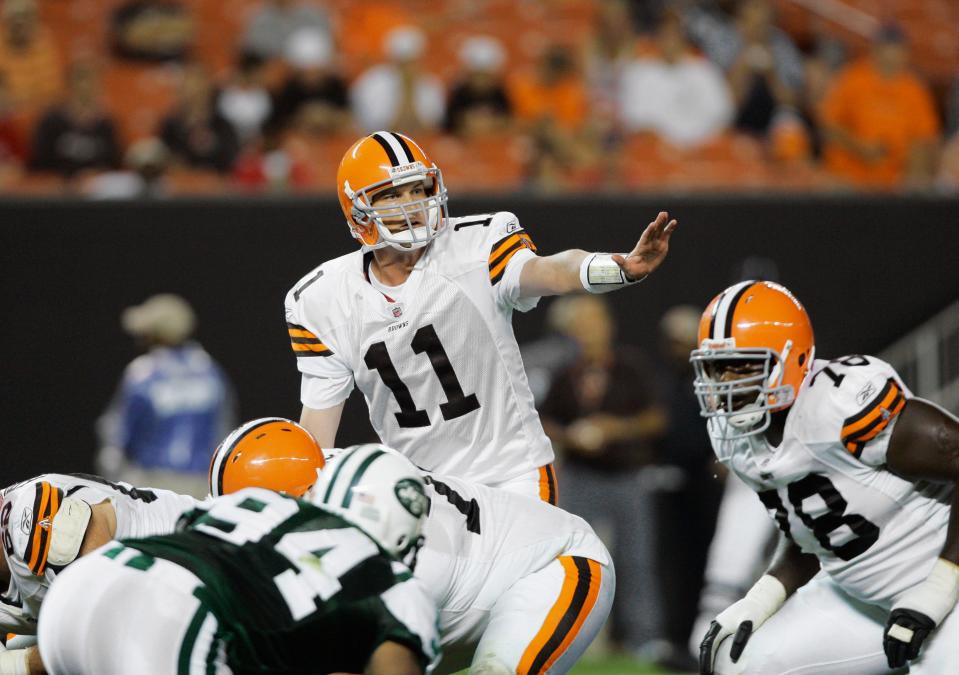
x: 522, y: 587
x: 49, y: 521
x: 420, y: 319
x: 858, y: 474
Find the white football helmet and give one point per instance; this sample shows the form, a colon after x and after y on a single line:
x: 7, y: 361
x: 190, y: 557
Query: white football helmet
x: 379, y: 491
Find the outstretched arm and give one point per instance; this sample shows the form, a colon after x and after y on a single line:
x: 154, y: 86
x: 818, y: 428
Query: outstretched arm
x: 563, y: 273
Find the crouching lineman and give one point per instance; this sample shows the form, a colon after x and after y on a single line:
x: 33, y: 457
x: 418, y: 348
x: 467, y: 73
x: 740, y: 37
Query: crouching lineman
x: 522, y: 586
x: 857, y: 474
x: 49, y: 521
x: 257, y: 582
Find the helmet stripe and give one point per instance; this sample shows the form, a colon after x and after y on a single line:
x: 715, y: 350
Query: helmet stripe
x: 397, y: 153
x: 218, y: 468
x: 723, y: 319
x: 405, y: 146
x: 358, y: 474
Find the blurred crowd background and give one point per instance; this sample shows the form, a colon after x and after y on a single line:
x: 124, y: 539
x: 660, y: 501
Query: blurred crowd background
x: 133, y: 98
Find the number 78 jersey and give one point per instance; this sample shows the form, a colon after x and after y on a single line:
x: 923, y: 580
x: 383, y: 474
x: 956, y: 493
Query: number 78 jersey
x: 875, y: 533
x: 437, y: 361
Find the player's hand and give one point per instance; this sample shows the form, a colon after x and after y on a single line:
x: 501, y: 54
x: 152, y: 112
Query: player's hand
x: 906, y: 630
x: 918, y: 612
x: 741, y: 620
x: 650, y: 250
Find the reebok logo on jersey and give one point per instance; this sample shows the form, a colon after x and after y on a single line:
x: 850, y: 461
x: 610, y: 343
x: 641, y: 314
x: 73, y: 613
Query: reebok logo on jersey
x: 865, y: 393
x: 26, y: 522
x: 512, y: 226
x: 411, y: 496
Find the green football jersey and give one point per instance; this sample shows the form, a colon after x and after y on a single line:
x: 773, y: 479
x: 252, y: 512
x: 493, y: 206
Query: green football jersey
x: 295, y: 588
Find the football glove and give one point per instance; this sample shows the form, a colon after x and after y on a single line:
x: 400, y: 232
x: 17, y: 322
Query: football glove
x: 919, y: 612
x: 742, y: 618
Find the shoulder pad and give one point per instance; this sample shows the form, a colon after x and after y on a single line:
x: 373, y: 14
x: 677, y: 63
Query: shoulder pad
x: 853, y: 399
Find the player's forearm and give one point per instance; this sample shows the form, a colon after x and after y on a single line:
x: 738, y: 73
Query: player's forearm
x: 552, y: 275
x: 791, y: 566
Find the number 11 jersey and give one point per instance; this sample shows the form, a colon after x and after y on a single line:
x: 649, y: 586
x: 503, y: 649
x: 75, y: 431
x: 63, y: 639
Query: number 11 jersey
x: 438, y: 362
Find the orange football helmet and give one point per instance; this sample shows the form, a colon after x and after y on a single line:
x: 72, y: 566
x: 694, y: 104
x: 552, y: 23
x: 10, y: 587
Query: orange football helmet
x: 756, y: 346
x: 379, y: 161
x: 272, y: 453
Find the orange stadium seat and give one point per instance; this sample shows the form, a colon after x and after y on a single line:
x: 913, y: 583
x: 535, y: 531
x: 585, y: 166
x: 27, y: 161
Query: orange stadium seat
x: 140, y: 96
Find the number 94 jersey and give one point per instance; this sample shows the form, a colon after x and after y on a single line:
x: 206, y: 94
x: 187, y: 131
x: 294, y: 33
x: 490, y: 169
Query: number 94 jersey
x: 875, y: 533
x: 436, y: 359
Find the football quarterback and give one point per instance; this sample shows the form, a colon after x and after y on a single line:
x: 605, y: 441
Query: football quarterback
x: 859, y: 476
x: 419, y: 318
x: 521, y: 586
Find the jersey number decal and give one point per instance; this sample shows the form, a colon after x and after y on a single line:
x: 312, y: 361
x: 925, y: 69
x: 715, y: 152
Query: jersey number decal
x: 4, y: 523
x: 837, y: 378
x: 470, y: 508
x: 866, y: 533
x: 425, y: 340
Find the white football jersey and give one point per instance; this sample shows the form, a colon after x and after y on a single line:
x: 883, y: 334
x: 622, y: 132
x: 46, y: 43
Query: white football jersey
x: 437, y: 361
x: 875, y: 533
x: 479, y: 541
x: 26, y: 515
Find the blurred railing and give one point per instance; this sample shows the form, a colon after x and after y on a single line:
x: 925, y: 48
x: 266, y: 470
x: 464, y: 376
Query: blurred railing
x: 928, y: 358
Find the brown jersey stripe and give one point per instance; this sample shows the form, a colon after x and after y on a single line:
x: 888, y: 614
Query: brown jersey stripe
x: 41, y: 496
x: 498, y: 267
x: 869, y: 422
x: 547, y: 484
x: 56, y: 496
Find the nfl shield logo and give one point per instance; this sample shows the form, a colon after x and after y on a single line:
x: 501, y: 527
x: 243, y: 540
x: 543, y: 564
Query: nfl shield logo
x: 397, y: 311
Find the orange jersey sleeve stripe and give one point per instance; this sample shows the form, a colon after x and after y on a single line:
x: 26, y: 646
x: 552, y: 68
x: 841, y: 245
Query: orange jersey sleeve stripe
x: 46, y: 504
x: 501, y: 257
x: 869, y: 422
x: 547, y: 484
x: 565, y: 618
x: 302, y: 333
x: 310, y: 347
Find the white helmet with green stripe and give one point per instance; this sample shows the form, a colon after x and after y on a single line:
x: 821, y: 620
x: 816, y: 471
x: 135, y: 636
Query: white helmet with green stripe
x: 378, y: 490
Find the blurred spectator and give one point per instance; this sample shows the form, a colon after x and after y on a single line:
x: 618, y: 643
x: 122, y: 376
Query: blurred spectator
x: 314, y: 98
x: 763, y: 65
x: 245, y: 101
x: 688, y: 496
x: 677, y: 94
x: 152, y: 30
x: 601, y: 418
x: 554, y: 92
x: 611, y: 48
x: 399, y: 94
x: 77, y: 134
x: 145, y: 165
x: 276, y: 21
x: 364, y: 28
x: 195, y: 132
x: 13, y: 147
x: 173, y: 405
x: 267, y: 164
x: 879, y: 120
x: 28, y: 57
x: 478, y: 102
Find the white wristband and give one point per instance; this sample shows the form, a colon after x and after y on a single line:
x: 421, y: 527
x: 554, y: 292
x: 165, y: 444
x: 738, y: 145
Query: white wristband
x: 14, y: 662
x: 937, y: 595
x: 599, y: 273
x: 768, y: 593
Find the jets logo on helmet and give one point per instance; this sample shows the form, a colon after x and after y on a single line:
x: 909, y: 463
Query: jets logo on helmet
x: 270, y: 452
x: 376, y: 163
x: 756, y: 346
x: 379, y: 491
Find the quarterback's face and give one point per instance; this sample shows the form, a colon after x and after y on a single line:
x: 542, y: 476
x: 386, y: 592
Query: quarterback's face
x: 398, y: 197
